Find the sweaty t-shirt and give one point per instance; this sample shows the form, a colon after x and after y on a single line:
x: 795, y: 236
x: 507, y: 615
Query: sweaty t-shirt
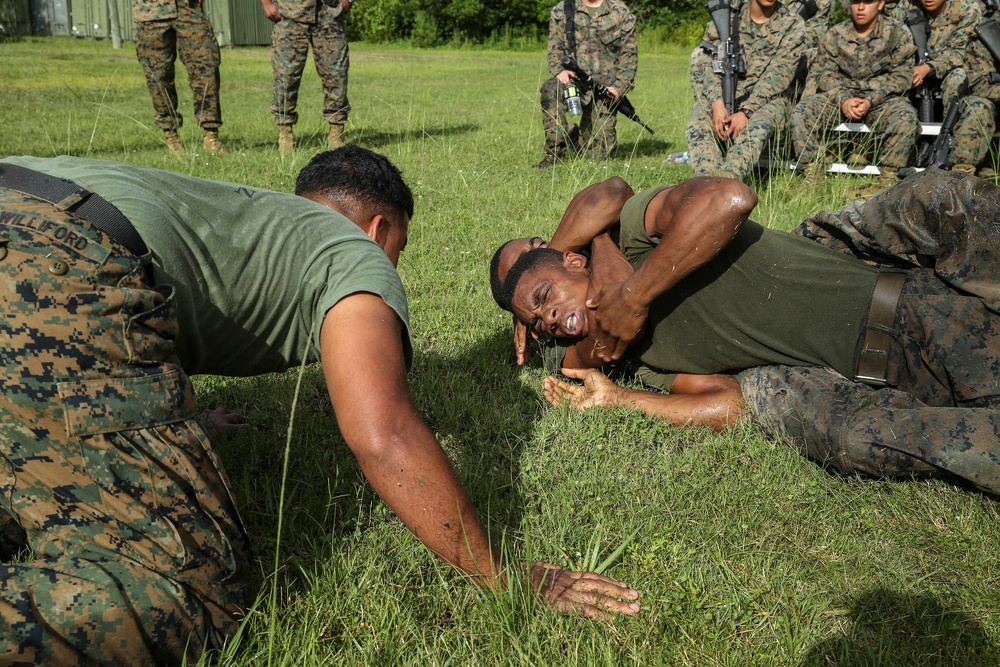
x: 768, y: 297
x: 254, y: 270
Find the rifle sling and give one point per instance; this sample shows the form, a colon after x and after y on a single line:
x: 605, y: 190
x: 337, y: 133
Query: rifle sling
x: 569, y: 8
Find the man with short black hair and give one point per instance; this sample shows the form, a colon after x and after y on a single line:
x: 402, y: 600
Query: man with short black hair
x: 714, y: 293
x: 122, y: 281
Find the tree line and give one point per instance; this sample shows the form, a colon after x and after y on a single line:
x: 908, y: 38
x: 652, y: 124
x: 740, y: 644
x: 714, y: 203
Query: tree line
x: 436, y: 22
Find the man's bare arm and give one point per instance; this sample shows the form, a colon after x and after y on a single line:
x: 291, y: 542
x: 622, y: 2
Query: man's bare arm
x: 593, y: 211
x: 362, y: 357
x: 694, y: 220
x: 715, y: 401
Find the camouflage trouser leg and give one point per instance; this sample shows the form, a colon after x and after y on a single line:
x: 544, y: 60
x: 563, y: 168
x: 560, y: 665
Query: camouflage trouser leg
x: 885, y: 432
x: 557, y: 140
x: 598, y: 139
x: 896, y: 125
x: 200, y: 54
x: 708, y: 153
x: 289, y: 48
x: 766, y: 123
x: 946, y: 348
x: 330, y: 51
x: 812, y: 120
x: 140, y: 555
x: 973, y: 130
x: 703, y: 145
x: 942, y: 219
x: 156, y: 49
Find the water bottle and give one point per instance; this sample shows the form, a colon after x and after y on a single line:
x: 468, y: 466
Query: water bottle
x: 678, y: 158
x: 572, y: 96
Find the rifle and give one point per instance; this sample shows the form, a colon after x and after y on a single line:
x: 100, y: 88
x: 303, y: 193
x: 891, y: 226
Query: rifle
x: 622, y: 106
x: 919, y: 29
x: 730, y: 61
x: 936, y: 155
x: 989, y: 35
x: 809, y: 8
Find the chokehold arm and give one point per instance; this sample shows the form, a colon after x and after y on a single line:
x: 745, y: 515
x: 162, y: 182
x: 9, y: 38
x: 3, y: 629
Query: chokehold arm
x: 694, y: 221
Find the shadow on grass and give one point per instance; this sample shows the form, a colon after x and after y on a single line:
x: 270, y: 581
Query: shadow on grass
x: 892, y: 629
x: 474, y: 403
x: 374, y: 140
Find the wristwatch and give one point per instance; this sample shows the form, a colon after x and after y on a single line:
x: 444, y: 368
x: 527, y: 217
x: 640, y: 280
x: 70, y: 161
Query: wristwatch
x: 746, y: 111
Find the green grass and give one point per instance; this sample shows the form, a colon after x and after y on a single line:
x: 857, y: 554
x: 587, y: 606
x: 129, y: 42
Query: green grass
x: 744, y: 552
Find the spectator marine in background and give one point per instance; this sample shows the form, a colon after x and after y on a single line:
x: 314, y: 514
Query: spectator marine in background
x: 729, y: 142
x: 599, y: 35
x: 297, y: 25
x: 164, y: 28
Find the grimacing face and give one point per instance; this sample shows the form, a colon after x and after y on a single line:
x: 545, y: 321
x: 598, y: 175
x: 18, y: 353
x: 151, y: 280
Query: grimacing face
x: 551, y: 299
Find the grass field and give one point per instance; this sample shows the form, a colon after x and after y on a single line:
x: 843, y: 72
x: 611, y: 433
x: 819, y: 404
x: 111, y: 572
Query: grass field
x: 744, y: 552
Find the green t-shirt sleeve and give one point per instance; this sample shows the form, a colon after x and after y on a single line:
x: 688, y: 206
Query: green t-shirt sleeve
x: 634, y: 241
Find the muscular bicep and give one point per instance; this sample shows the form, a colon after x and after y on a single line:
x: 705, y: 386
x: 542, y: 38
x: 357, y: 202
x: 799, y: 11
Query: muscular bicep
x: 361, y: 348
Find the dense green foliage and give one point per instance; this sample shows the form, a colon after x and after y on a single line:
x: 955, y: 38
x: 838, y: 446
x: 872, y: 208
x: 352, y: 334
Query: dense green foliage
x: 744, y: 552
x: 434, y: 22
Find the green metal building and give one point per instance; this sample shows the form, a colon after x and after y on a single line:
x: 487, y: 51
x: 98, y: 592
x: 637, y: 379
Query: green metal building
x: 236, y: 22
x: 15, y: 18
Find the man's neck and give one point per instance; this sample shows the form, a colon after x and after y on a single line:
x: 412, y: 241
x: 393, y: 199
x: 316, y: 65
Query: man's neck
x: 762, y: 15
x: 593, y: 3
x: 867, y: 30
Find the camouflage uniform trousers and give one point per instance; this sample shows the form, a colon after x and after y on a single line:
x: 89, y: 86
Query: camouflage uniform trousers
x: 289, y: 47
x: 942, y: 414
x: 893, y: 121
x: 854, y: 428
x: 597, y: 124
x: 157, y: 46
x: 138, y: 553
x: 973, y: 130
x: 709, y: 154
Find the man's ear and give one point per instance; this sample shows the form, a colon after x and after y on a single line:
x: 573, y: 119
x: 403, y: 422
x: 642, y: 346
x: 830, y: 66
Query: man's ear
x: 574, y: 259
x: 377, y: 229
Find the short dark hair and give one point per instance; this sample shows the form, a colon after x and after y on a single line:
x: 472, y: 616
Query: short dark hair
x: 526, y: 262
x: 356, y: 177
x: 496, y: 286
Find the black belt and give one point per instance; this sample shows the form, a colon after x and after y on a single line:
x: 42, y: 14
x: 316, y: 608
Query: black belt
x: 873, y: 362
x: 67, y: 196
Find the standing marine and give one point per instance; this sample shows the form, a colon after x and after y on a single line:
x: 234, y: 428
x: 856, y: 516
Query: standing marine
x: 772, y: 41
x: 599, y: 35
x: 164, y: 28
x: 297, y: 24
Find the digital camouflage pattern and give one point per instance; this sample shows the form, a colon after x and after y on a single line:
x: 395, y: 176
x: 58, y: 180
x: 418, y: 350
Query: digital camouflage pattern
x: 306, y: 22
x: 977, y: 122
x: 816, y: 26
x: 878, y: 68
x: 945, y: 420
x: 164, y: 30
x: 606, y: 48
x: 854, y: 428
x: 138, y: 555
x: 942, y: 219
x: 773, y: 50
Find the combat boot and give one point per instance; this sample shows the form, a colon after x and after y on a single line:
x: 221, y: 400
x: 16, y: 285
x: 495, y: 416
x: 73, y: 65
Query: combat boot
x: 286, y: 140
x: 173, y: 142
x: 211, y: 142
x: 969, y: 169
x: 336, y: 137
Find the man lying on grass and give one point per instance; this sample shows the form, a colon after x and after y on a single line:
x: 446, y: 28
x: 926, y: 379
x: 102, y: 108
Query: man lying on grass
x: 882, y: 358
x: 121, y: 281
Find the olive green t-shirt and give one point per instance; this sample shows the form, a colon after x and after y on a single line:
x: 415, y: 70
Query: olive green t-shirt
x: 768, y: 297
x: 254, y: 271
